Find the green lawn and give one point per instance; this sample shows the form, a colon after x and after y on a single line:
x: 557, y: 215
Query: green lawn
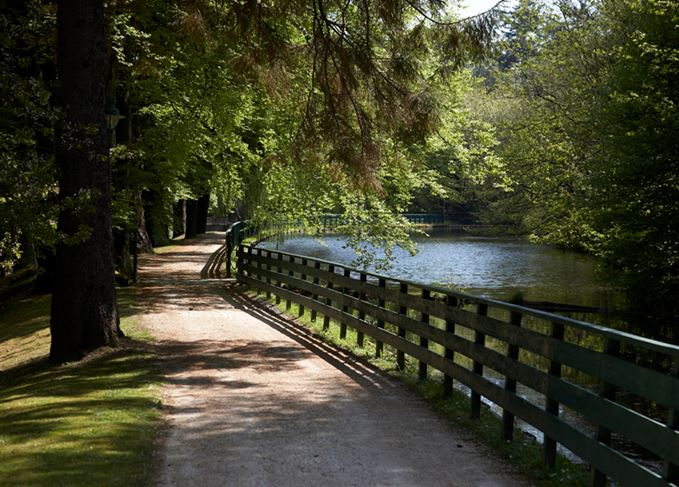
x: 95, y: 422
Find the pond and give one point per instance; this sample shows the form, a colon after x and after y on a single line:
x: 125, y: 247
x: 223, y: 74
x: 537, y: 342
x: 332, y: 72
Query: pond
x: 497, y: 267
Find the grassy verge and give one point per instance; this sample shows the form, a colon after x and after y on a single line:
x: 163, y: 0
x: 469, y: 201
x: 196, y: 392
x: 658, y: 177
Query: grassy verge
x: 93, y: 422
x: 524, y: 452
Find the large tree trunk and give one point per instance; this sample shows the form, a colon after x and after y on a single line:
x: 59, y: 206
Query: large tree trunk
x: 191, y: 218
x: 202, y: 211
x: 84, y: 312
x: 179, y: 218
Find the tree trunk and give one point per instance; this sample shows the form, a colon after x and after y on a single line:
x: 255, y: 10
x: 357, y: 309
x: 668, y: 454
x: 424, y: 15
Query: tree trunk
x: 202, y: 210
x: 179, y: 218
x: 191, y: 218
x: 84, y: 312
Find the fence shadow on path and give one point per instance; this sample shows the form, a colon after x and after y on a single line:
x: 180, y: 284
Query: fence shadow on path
x: 359, y: 370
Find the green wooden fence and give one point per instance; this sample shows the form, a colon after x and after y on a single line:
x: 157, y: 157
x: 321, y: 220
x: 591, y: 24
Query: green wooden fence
x: 461, y: 335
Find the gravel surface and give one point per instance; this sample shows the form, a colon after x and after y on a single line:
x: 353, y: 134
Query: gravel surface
x: 251, y: 399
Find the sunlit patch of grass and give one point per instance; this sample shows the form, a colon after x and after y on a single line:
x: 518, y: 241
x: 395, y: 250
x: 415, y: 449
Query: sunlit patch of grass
x: 24, y: 331
x: 524, y: 452
x: 93, y: 422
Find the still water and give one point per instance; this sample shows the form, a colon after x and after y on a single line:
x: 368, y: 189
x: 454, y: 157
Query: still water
x: 496, y: 267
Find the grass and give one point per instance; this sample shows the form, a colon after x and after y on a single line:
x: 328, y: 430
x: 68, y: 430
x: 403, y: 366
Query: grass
x: 524, y: 453
x: 94, y: 422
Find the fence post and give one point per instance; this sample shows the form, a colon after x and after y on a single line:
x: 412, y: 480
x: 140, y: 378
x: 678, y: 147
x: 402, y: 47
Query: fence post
x: 229, y: 250
x: 451, y: 301
x: 477, y: 367
x: 301, y: 292
x: 328, y: 301
x: 424, y: 342
x: 670, y: 471
x: 551, y: 405
x: 379, y: 346
x: 280, y: 271
x: 402, y: 310
x: 288, y: 303
x: 608, y: 391
x: 345, y: 309
x: 510, y: 384
x: 268, y: 268
x: 361, y: 314
x: 317, y: 266
x: 240, y: 262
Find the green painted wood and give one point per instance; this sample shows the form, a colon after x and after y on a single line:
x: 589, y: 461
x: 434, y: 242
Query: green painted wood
x: 328, y: 301
x: 603, y: 434
x: 623, y: 337
x: 477, y: 366
x: 345, y: 309
x: 510, y: 382
x: 449, y: 353
x: 303, y: 278
x: 610, y: 415
x: 403, y: 311
x: 379, y: 346
x: 655, y: 386
x: 551, y: 405
x: 316, y: 280
x: 671, y: 465
x: 361, y: 312
x: 627, y: 422
x: 268, y: 268
x: 424, y: 341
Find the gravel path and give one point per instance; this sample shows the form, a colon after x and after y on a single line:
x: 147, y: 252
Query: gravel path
x: 252, y: 400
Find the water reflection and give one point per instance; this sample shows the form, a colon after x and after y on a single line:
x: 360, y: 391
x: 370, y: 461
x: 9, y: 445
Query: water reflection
x: 497, y: 267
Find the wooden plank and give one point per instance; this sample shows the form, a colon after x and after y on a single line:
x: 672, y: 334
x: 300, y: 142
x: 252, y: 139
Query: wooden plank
x: 647, y: 383
x: 624, y: 337
x: 279, y: 261
x: 268, y: 268
x: 328, y: 301
x: 361, y: 313
x: 477, y: 366
x: 671, y: 465
x: 380, y: 323
x: 317, y: 265
x: 603, y: 434
x: 644, y: 382
x: 403, y: 311
x: 345, y: 309
x: 510, y: 382
x: 552, y: 405
x: 647, y: 433
x: 303, y: 278
x: 424, y: 342
x: 658, y: 387
x: 449, y: 353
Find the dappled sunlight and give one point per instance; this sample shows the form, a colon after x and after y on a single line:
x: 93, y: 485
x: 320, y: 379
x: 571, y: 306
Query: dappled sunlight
x: 62, y: 425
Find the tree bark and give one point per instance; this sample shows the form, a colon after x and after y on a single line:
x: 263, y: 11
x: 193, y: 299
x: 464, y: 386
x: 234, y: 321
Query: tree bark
x: 202, y: 210
x: 179, y: 218
x: 84, y: 312
x: 191, y: 218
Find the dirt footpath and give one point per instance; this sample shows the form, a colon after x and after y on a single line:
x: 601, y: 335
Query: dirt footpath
x: 253, y: 400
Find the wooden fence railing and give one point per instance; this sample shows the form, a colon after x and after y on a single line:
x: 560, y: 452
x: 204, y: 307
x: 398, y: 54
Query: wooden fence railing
x: 462, y: 336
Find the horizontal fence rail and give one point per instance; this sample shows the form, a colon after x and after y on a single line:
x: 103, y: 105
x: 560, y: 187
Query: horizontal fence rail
x: 464, y: 337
